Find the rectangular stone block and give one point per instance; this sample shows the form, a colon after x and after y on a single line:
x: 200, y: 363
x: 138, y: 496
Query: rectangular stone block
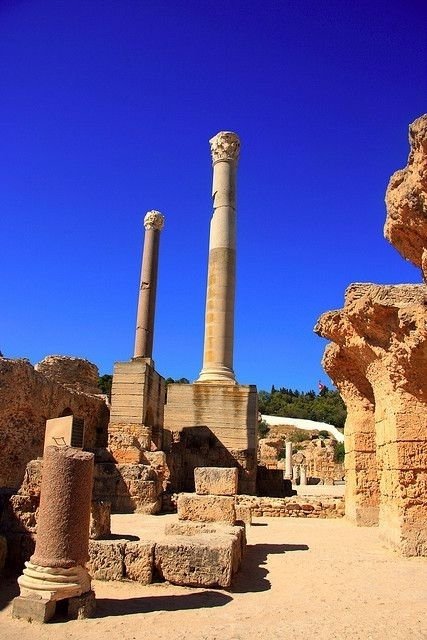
x: 138, y: 561
x: 106, y: 559
x: 198, y: 561
x: 33, y: 609
x: 206, y: 508
x: 216, y: 481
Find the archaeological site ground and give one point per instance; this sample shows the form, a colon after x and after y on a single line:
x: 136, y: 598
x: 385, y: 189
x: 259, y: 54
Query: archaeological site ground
x: 161, y: 511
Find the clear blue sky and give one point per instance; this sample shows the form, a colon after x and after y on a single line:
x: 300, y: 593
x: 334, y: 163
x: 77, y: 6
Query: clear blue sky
x: 106, y: 109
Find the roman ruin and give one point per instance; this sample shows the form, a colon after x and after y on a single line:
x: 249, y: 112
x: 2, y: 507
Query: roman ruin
x: 378, y: 359
x: 216, y: 417
x: 193, y: 451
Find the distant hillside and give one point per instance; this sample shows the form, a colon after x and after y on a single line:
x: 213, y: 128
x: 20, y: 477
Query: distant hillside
x: 326, y: 406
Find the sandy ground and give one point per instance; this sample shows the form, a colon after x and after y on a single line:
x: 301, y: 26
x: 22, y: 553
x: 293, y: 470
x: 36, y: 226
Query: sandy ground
x: 301, y: 579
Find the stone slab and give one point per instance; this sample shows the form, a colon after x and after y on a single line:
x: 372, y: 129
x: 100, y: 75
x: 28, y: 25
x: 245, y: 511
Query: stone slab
x: 198, y: 561
x: 206, y: 508
x: 106, y: 559
x: 216, y: 481
x: 138, y: 561
x: 33, y: 609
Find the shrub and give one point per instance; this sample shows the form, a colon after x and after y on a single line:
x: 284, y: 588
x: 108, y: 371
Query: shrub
x: 339, y: 452
x: 263, y: 429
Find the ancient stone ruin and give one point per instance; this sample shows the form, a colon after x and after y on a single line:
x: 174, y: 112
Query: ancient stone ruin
x: 378, y: 360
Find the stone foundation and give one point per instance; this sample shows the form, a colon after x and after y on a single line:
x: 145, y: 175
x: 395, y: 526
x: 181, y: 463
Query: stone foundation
x: 211, y: 424
x: 137, y: 406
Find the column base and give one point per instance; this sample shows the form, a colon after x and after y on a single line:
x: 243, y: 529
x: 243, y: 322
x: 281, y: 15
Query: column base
x: 48, y: 583
x: 217, y: 374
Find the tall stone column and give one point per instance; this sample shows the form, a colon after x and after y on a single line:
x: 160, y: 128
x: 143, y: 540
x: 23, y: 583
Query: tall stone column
x: 153, y: 223
x: 219, y: 318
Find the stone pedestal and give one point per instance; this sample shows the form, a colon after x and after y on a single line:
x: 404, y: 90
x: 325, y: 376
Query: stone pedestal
x: 218, y: 425
x: 137, y: 409
x: 56, y: 570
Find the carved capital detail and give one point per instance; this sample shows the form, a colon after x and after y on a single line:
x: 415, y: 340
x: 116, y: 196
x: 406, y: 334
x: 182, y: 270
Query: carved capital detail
x: 154, y: 220
x: 225, y: 146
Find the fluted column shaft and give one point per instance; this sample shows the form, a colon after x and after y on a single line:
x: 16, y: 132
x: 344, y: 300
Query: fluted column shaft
x: 219, y: 318
x: 144, y: 335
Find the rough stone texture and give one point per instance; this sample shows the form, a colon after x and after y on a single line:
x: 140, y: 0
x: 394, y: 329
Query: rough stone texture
x: 292, y: 507
x: 28, y: 398
x: 81, y: 607
x: 100, y: 519
x: 216, y: 481
x: 106, y: 559
x: 206, y: 508
x: 129, y: 487
x: 65, y: 498
x: 406, y: 200
x: 204, y: 560
x: 378, y: 361
x: 138, y: 561
x: 211, y: 425
x: 75, y: 373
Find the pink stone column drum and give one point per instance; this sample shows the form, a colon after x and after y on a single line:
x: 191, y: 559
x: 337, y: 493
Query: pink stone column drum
x: 57, y: 568
x: 153, y: 223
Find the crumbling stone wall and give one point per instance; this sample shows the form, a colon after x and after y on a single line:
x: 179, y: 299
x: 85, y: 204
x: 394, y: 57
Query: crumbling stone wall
x: 27, y: 399
x: 75, y: 373
x: 378, y: 361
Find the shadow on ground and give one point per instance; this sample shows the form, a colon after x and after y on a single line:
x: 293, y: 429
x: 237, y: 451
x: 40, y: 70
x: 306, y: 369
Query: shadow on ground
x: 8, y: 591
x: 106, y: 607
x: 252, y: 575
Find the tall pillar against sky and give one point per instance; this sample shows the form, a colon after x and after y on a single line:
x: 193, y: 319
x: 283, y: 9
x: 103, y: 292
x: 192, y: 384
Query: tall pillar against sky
x: 153, y: 223
x: 219, y: 318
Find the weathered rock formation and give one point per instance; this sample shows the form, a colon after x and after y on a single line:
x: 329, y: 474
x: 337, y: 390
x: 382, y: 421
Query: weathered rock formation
x: 27, y: 399
x: 75, y: 373
x: 406, y: 200
x: 378, y: 362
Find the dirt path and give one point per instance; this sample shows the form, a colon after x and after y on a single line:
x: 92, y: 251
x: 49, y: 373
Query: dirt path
x: 302, y: 579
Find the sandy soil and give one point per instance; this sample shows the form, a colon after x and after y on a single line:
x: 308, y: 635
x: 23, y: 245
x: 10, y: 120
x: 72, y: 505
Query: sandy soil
x: 301, y: 579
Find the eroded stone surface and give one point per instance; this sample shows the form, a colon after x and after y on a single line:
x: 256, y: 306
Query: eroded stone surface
x: 28, y: 398
x: 206, y: 508
x: 378, y: 361
x: 138, y: 561
x: 406, y: 199
x: 216, y: 481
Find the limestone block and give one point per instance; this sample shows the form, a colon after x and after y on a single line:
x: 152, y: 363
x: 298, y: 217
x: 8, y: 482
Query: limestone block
x: 100, y: 519
x: 81, y: 607
x: 243, y: 513
x: 216, y: 481
x: 33, y: 609
x: 198, y: 561
x: 106, y: 559
x: 138, y: 561
x: 206, y: 508
x: 20, y: 514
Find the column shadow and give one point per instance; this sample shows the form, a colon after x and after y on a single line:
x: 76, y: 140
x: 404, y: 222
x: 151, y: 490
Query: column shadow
x: 106, y: 607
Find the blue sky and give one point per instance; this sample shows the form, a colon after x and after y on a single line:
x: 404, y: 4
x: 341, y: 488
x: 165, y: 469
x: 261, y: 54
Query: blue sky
x: 106, y: 110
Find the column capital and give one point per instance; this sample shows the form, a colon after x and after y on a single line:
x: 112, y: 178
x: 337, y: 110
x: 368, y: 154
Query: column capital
x: 225, y: 146
x: 154, y: 220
